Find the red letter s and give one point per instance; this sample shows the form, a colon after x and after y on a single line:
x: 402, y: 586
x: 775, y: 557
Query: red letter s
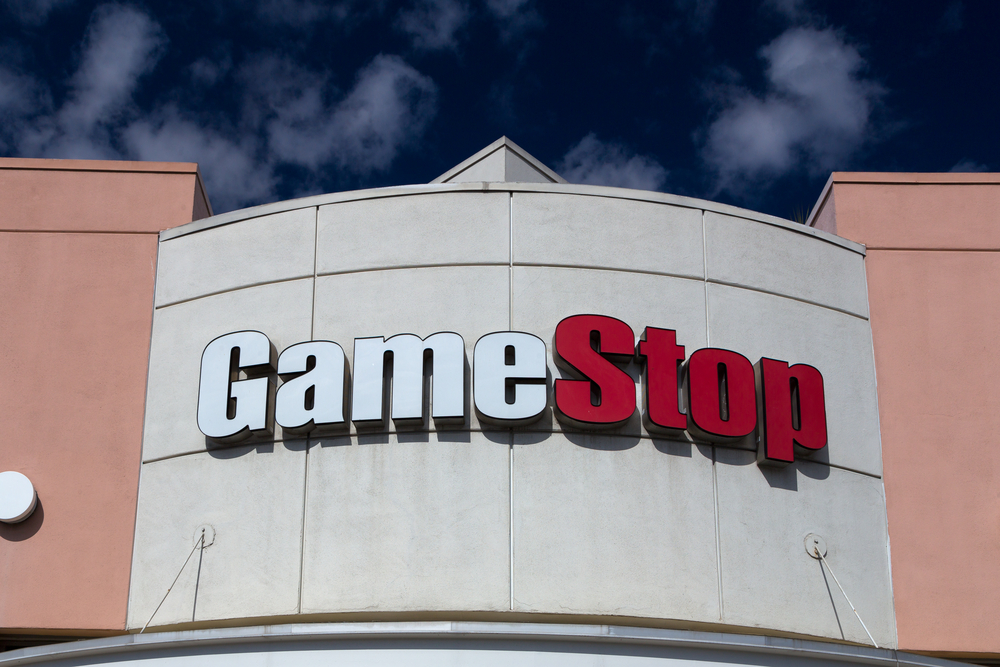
x: 604, y: 396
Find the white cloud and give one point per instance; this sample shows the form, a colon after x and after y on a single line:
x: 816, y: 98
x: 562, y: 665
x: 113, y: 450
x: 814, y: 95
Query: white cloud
x: 297, y: 13
x: 20, y: 94
x: 21, y: 97
x: 304, y: 14
x: 595, y: 162
x: 287, y: 116
x: 122, y: 44
x: 34, y: 12
x: 969, y: 166
x: 234, y: 172
x: 287, y: 119
x: 433, y: 24
x: 279, y: 91
x: 507, y: 8
x: 209, y: 71
x: 817, y: 109
x: 515, y: 17
x: 388, y: 109
x: 792, y: 10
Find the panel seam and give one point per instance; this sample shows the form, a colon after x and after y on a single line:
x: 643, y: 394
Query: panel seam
x: 718, y: 538
x: 510, y: 494
x: 510, y: 446
x: 510, y: 262
x: 305, y: 467
x: 302, y: 530
x: 715, y: 479
x: 642, y: 436
x: 510, y: 267
x: 405, y: 267
x: 276, y: 281
x: 704, y: 266
x: 312, y: 320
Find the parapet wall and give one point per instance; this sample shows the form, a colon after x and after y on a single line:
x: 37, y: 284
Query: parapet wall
x: 540, y: 520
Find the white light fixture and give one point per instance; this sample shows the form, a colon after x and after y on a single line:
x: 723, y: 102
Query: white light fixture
x: 17, y: 497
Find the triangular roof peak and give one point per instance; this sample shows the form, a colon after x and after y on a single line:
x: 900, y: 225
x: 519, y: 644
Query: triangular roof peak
x: 503, y: 161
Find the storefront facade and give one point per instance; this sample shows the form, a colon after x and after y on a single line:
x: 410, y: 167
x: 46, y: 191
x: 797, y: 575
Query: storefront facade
x: 460, y: 498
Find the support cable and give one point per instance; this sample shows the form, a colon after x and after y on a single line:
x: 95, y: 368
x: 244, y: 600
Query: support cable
x: 199, y: 543
x: 819, y: 554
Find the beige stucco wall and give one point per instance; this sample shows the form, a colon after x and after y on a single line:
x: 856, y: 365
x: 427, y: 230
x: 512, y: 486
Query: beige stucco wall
x: 78, y: 255
x: 933, y: 268
x: 535, y: 522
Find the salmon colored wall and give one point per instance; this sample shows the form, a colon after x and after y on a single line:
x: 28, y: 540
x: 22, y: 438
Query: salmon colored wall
x: 933, y: 269
x: 74, y: 344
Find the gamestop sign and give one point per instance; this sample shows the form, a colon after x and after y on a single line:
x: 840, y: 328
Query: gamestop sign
x: 713, y: 395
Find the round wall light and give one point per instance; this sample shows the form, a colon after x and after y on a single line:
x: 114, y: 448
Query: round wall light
x: 17, y: 497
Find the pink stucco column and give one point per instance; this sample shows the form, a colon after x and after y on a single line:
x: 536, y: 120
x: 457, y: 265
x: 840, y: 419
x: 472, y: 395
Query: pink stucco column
x: 933, y: 269
x: 78, y: 244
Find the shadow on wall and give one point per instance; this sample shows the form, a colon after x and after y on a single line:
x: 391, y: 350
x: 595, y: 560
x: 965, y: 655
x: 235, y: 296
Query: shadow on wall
x: 785, y: 477
x: 737, y: 454
x: 18, y: 532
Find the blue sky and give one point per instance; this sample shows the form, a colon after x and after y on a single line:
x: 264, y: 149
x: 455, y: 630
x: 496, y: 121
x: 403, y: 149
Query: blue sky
x: 748, y: 102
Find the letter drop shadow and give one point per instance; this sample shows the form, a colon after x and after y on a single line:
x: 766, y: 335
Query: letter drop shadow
x: 781, y: 478
x: 681, y: 448
x: 454, y: 436
x: 814, y: 468
x: 605, y: 442
x: 238, y: 449
x: 777, y: 478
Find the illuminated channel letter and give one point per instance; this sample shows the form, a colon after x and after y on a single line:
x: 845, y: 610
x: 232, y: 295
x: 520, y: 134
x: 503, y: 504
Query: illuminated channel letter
x: 722, y: 396
x: 660, y: 381
x: 508, y: 378
x: 231, y: 409
x: 446, y: 351
x: 312, y: 395
x: 604, y: 394
x: 794, y: 411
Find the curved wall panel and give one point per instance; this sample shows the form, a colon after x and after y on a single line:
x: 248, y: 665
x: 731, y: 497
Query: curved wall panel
x: 541, y: 519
